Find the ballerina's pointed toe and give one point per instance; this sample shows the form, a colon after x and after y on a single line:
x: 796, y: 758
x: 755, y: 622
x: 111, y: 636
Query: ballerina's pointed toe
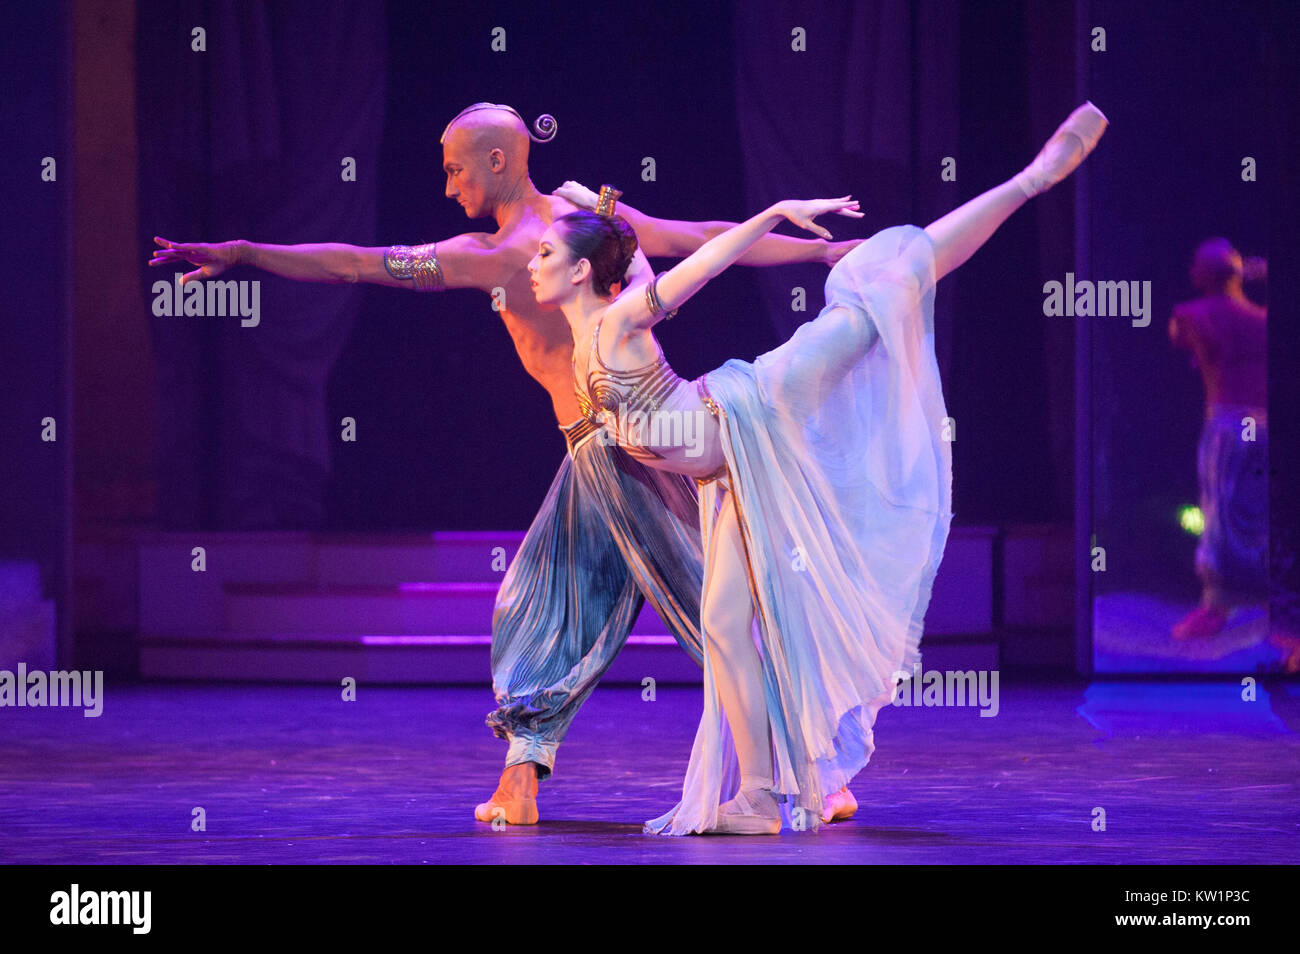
x: 1059, y: 157
x: 749, y: 813
x: 1088, y: 123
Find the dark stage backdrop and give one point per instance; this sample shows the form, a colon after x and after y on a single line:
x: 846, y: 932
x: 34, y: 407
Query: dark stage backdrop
x: 245, y: 142
x: 35, y: 456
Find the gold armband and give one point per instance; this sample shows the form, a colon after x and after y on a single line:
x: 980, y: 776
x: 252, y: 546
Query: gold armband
x: 653, y: 303
x: 417, y: 263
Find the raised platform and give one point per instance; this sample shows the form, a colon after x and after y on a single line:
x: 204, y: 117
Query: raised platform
x: 27, y: 620
x: 417, y: 608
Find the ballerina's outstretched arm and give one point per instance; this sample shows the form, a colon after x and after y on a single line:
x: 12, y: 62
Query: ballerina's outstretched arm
x: 679, y: 283
x: 673, y: 238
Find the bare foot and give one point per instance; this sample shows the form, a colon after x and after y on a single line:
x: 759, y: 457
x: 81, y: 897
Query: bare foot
x: 515, y: 799
x: 1201, y: 623
x: 1289, y: 643
x: 839, y: 806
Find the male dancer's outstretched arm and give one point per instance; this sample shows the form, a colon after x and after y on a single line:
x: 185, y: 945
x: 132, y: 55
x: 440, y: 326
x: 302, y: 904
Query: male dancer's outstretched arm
x: 466, y: 259
x: 331, y: 263
x: 671, y: 238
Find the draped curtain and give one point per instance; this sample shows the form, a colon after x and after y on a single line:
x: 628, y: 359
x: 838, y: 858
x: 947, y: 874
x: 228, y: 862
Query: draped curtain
x: 884, y: 93
x: 247, y: 140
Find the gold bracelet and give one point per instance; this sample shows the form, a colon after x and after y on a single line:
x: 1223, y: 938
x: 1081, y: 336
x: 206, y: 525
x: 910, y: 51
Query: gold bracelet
x: 609, y: 197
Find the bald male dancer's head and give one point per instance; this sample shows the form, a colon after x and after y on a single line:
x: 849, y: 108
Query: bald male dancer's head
x: 1216, y: 267
x: 485, y: 155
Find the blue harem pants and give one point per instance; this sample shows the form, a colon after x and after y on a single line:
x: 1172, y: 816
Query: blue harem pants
x: 1232, y: 555
x: 611, y: 534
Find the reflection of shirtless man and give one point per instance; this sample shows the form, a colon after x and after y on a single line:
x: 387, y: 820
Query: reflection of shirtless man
x: 1225, y: 331
x: 540, y: 675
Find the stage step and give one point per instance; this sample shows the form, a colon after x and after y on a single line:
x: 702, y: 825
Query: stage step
x: 27, y: 621
x: 470, y: 556
x: 416, y: 608
x: 407, y: 608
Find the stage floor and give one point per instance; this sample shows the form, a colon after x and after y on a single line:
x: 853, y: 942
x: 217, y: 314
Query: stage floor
x: 1186, y: 772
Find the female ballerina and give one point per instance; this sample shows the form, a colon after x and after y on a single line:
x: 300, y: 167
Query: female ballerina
x: 825, y: 484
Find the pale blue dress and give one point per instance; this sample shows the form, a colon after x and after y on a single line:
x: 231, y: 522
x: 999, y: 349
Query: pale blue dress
x: 843, y: 481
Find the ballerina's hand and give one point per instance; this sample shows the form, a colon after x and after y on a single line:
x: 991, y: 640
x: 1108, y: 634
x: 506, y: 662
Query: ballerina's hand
x: 578, y: 194
x: 802, y: 211
x: 213, y: 259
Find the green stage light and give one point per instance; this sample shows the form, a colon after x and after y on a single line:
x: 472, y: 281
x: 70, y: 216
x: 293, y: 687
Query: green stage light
x: 1192, y: 520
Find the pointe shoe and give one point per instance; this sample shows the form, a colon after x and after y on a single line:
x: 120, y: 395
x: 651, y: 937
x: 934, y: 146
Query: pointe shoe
x: 515, y: 799
x: 1073, y: 140
x: 839, y: 806
x: 754, y: 812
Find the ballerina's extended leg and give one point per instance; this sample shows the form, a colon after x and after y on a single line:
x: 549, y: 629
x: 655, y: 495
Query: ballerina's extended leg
x: 841, y: 336
x: 958, y: 234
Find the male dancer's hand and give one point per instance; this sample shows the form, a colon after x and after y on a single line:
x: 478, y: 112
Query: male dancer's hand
x: 578, y: 194
x: 212, y: 259
x: 584, y: 198
x: 837, y: 250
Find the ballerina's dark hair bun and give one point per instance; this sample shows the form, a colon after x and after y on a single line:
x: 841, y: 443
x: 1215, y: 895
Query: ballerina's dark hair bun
x: 607, y: 241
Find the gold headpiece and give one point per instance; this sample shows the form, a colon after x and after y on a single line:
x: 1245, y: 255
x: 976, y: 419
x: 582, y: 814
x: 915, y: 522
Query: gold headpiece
x: 608, y: 197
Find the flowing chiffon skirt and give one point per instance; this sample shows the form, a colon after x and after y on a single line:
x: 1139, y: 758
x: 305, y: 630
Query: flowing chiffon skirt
x: 842, y: 475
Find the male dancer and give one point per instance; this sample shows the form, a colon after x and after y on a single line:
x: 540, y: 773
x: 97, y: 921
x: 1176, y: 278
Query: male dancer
x: 590, y: 558
x: 1226, y: 333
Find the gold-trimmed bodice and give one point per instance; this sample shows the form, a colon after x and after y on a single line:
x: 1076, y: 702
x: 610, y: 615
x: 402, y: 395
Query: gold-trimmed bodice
x: 654, y: 415
x: 623, y: 392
